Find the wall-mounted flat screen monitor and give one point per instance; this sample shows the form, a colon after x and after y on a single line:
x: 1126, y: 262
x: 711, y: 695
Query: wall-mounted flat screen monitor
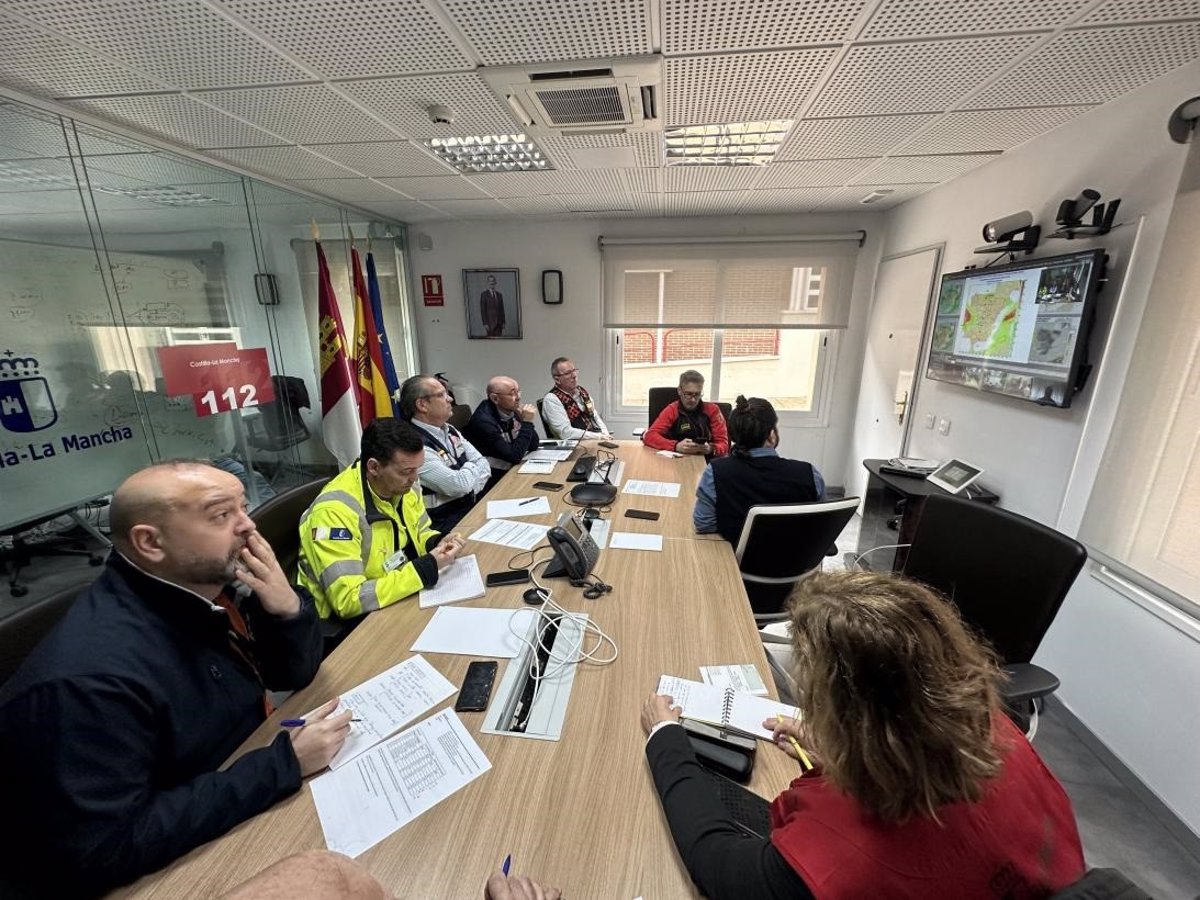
x: 1020, y: 329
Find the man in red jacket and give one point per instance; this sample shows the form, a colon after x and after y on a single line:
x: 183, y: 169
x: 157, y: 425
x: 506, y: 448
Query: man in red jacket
x: 689, y: 425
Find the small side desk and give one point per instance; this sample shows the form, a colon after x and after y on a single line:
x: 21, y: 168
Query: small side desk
x: 890, y: 511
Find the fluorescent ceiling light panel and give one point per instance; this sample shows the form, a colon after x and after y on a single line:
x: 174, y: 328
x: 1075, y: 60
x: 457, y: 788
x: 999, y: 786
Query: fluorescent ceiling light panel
x: 166, y: 196
x: 19, y: 173
x: 490, y: 153
x: 735, y: 144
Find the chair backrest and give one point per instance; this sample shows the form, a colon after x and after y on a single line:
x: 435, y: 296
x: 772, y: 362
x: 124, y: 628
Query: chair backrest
x: 1007, y: 574
x: 659, y: 399
x: 550, y: 432
x: 282, y: 424
x: 460, y: 416
x: 278, y: 521
x: 24, y: 629
x: 1102, y: 884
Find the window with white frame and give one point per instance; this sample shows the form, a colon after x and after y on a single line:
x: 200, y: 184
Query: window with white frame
x: 753, y: 318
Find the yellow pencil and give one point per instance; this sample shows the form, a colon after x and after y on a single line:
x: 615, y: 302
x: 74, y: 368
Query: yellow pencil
x: 804, y: 760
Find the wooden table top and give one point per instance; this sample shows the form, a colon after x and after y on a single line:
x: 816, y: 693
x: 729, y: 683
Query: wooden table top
x: 580, y: 813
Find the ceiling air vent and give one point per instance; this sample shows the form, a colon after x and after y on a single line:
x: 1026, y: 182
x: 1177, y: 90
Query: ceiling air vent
x: 611, y: 96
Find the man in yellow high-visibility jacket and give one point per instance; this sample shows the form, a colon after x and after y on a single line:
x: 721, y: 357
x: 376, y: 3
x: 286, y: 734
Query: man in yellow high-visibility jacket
x: 366, y: 541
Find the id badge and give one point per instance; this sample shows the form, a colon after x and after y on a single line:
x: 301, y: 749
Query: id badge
x: 395, y: 561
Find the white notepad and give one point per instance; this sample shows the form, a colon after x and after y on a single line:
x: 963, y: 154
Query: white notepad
x: 458, y: 581
x: 518, y: 506
x: 474, y: 632
x: 537, y: 467
x: 723, y: 707
x: 628, y: 540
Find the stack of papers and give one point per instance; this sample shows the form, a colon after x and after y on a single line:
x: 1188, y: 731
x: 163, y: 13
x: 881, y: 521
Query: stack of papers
x: 458, y: 581
x: 475, y: 632
x: 627, y: 540
x: 522, y: 535
x: 552, y: 455
x: 652, y: 488
x: 537, y: 467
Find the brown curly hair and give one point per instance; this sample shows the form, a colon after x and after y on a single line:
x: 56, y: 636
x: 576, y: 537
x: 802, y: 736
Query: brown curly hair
x: 898, y: 696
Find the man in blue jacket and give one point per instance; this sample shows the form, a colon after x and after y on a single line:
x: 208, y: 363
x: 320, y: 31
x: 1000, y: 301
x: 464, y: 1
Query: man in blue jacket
x: 501, y: 428
x: 113, y: 731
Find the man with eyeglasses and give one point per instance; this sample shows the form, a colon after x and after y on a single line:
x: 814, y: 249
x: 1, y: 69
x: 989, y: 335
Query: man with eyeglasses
x: 689, y: 425
x: 568, y: 409
x: 501, y: 427
x: 454, y: 473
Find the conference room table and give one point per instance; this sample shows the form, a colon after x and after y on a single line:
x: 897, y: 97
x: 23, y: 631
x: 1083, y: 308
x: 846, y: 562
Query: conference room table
x: 580, y: 813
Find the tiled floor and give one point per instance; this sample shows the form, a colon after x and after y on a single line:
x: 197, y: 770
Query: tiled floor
x: 1120, y: 827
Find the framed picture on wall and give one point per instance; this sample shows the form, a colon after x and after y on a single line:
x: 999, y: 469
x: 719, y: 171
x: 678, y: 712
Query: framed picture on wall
x: 493, y: 299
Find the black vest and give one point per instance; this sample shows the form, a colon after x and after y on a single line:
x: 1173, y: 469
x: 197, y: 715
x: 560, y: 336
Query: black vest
x: 446, y: 514
x: 745, y: 481
x: 694, y: 425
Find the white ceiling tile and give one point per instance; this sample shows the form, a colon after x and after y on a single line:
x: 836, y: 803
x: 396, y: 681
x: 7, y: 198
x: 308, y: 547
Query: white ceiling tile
x: 848, y: 198
x: 922, y: 169
x: 647, y: 146
x: 355, y: 39
x: 1142, y: 11
x: 534, y: 206
x: 303, y: 113
x: 283, y: 162
x: 869, y: 79
x: 989, y: 129
x: 898, y: 19
x: 157, y: 169
x: 349, y: 190
x: 183, y: 42
x: 178, y: 118
x: 794, y: 200
x: 404, y: 103
x: 703, y: 203
x: 812, y: 173
x: 609, y: 202
x: 642, y: 181
x: 406, y: 211
x: 741, y: 87
x: 702, y: 26
x: 846, y: 138
x: 522, y: 31
x: 379, y: 159
x: 682, y: 179
x: 532, y: 184
x: 44, y: 64
x: 439, y: 187
x: 1095, y: 65
x: 472, y: 209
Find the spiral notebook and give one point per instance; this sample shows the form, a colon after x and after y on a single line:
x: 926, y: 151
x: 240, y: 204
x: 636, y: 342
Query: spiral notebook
x: 724, y: 707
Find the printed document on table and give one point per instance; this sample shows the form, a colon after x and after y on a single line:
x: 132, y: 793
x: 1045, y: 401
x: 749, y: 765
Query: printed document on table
x: 389, y: 701
x: 742, y: 677
x: 555, y: 455
x: 458, y: 581
x: 518, y: 506
x: 390, y: 785
x: 628, y: 540
x: 652, y: 488
x: 537, y: 466
x: 474, y: 632
x: 522, y: 535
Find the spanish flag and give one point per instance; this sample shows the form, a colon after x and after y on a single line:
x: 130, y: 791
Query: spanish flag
x: 340, y: 429
x: 374, y: 401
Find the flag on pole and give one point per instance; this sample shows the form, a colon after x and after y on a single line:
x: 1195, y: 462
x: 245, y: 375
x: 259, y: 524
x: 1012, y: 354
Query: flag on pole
x: 374, y: 399
x: 339, y: 408
x: 389, y: 367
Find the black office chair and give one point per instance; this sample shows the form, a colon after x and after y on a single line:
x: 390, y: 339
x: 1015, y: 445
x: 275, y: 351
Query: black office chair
x: 660, y: 398
x: 279, y: 424
x: 1102, y: 884
x: 550, y: 432
x: 278, y: 521
x: 1007, y: 574
x: 460, y: 416
x: 22, y: 552
x: 25, y: 629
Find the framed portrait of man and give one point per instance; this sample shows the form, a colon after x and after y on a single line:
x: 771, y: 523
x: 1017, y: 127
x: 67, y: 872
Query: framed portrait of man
x: 493, y: 298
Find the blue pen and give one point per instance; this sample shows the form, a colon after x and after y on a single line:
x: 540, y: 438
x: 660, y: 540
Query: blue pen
x: 300, y: 723
x: 507, y: 865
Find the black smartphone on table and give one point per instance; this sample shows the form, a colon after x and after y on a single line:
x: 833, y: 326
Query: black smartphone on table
x: 641, y: 514
x: 548, y: 485
x: 509, y: 576
x: 610, y: 445
x: 476, y: 688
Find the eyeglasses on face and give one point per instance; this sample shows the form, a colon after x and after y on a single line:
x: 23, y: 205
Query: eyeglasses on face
x: 565, y: 372
x: 691, y: 395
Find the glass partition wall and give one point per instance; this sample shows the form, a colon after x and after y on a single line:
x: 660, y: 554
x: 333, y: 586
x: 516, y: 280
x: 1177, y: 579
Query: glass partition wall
x: 155, y: 307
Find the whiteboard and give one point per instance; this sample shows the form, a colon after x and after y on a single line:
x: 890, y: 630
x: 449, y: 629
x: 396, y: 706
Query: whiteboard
x: 68, y: 432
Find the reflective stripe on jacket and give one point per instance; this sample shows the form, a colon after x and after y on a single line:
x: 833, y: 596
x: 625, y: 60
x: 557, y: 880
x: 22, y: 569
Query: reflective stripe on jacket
x: 342, y: 556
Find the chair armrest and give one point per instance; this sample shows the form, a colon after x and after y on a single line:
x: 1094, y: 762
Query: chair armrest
x: 638, y: 432
x: 1027, y: 682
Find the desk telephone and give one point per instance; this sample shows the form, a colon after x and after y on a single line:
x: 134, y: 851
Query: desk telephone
x: 575, y: 552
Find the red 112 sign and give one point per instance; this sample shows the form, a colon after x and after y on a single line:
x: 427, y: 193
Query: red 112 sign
x: 219, y: 377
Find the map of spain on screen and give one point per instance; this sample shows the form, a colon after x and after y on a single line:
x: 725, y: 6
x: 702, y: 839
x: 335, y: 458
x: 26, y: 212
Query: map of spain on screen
x: 991, y: 320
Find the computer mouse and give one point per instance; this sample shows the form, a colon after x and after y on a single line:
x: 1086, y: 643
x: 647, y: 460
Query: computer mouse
x: 533, y: 597
x: 590, y: 514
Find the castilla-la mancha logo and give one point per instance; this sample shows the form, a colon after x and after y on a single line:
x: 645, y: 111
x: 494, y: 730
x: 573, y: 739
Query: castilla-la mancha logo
x: 25, y: 400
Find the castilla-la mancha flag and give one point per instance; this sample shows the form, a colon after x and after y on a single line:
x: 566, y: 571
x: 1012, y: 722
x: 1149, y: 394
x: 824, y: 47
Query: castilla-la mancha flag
x: 374, y: 400
x: 340, y: 427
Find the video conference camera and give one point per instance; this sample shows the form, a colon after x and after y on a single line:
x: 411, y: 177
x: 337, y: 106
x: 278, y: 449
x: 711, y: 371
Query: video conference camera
x: 1011, y: 234
x: 1071, y: 213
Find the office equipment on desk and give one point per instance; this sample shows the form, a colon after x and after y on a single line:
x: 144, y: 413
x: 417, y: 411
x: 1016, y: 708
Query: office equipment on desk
x: 386, y: 703
x: 457, y: 582
x: 593, y: 494
x: 743, y: 678
x: 506, y: 533
x: 393, y: 783
x: 609, y: 471
x: 508, y: 576
x: 725, y: 708
x: 652, y: 488
x: 628, y: 540
x: 955, y: 476
x: 518, y: 506
x: 582, y: 470
x: 911, y: 466
x: 531, y: 700
x: 598, y: 529
x: 476, y: 688
x: 537, y: 466
x: 471, y: 631
x: 575, y: 553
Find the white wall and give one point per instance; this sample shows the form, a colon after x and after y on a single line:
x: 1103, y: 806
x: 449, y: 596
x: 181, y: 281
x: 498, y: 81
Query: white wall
x: 573, y: 329
x: 1130, y: 670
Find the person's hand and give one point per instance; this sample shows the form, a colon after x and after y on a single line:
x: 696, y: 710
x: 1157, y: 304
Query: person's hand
x: 319, y: 740
x: 788, y: 730
x: 688, y: 447
x: 527, y: 412
x: 258, y: 569
x: 517, y: 887
x: 659, y: 708
x: 447, y: 550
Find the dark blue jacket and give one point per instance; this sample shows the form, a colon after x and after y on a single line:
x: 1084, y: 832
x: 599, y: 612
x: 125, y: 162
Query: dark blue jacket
x: 112, y: 732
x: 503, y: 443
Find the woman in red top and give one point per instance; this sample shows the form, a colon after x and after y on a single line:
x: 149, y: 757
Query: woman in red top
x: 923, y: 788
